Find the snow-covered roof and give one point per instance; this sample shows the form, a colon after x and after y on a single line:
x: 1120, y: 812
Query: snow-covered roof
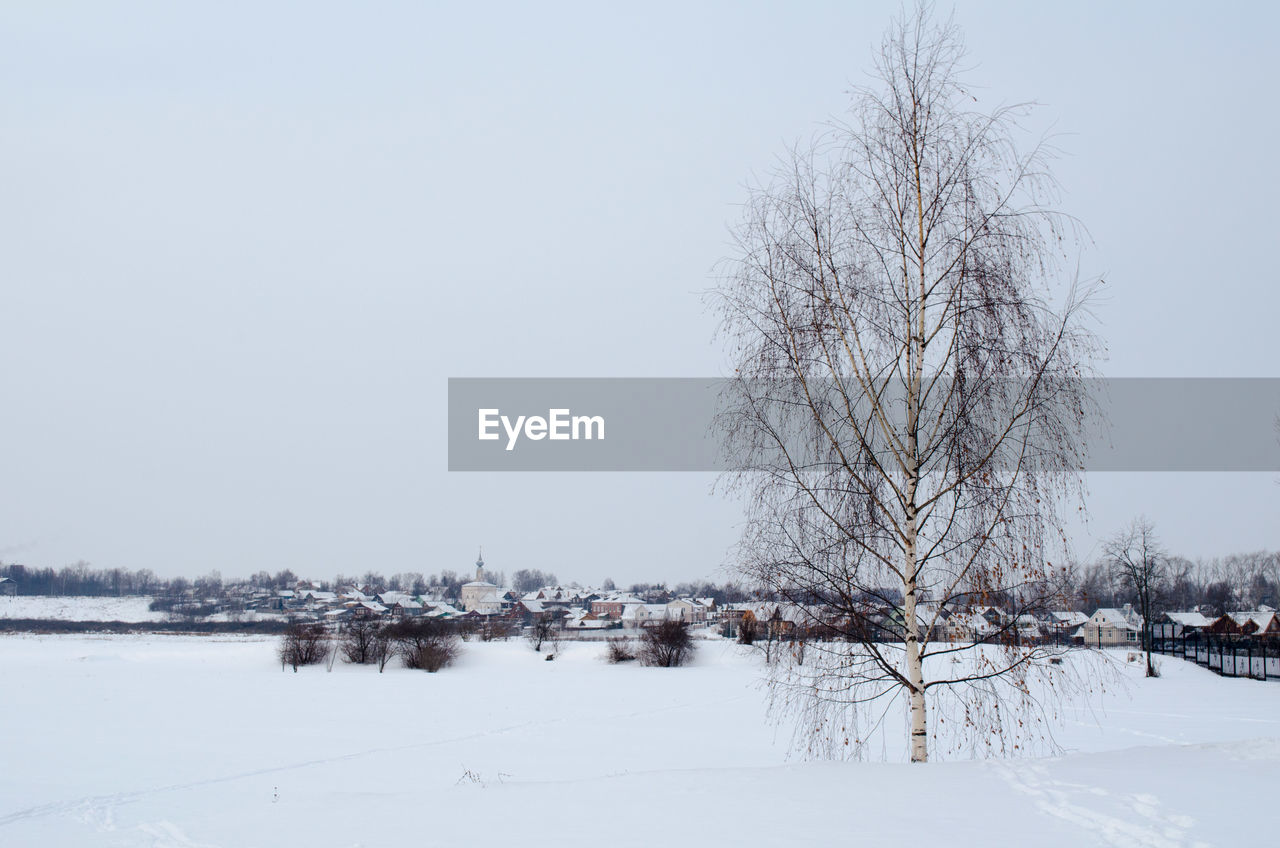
x: 1113, y: 616
x: 620, y: 598
x: 1261, y: 620
x: 1189, y: 619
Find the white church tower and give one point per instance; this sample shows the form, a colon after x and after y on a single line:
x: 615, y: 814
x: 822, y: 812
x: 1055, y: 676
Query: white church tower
x: 481, y: 595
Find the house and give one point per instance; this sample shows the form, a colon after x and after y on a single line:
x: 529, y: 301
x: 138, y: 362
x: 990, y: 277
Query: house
x: 687, y: 610
x: 994, y: 616
x: 404, y: 608
x: 1259, y: 622
x: 1028, y: 629
x: 526, y: 612
x: 1172, y: 625
x: 962, y: 627
x: 641, y: 615
x: 612, y: 606
x: 1224, y: 625
x: 777, y: 620
x: 584, y: 619
x: 365, y: 609
x: 8, y: 586
x: 1058, y: 625
x: 441, y: 610
x: 1110, y: 627
x: 556, y: 597
x: 1262, y: 624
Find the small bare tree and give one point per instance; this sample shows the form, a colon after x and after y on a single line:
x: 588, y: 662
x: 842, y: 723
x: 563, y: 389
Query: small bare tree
x: 1139, y: 561
x: 383, y: 648
x: 359, y: 637
x: 908, y: 403
x: 541, y: 630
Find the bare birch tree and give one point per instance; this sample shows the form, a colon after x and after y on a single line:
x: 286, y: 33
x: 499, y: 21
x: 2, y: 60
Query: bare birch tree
x: 907, y: 402
x: 1140, y: 562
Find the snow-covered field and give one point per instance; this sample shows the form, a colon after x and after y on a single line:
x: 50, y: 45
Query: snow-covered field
x: 79, y: 609
x: 198, y: 741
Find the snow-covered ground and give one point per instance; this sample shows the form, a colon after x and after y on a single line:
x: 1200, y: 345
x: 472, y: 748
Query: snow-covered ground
x: 191, y: 741
x: 79, y: 609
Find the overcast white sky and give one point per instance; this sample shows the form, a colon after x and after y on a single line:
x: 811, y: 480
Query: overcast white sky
x: 247, y: 243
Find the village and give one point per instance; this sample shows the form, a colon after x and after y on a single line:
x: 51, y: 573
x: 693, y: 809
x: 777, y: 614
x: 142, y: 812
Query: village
x: 1236, y: 643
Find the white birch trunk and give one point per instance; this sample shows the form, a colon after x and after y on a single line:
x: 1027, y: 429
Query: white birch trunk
x: 915, y: 666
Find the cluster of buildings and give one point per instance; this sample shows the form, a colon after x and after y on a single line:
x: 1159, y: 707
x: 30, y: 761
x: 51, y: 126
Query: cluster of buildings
x: 888, y: 623
x: 571, y: 607
x: 577, y: 609
x: 1106, y: 627
x: 1262, y: 623
x: 1123, y: 626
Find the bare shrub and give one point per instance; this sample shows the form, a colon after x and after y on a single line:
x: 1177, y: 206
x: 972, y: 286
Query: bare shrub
x: 621, y: 649
x: 426, y: 644
x: 666, y: 644
x: 304, y: 643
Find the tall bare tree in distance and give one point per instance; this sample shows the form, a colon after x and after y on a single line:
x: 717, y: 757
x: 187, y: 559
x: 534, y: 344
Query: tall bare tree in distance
x: 1140, y: 561
x: 907, y: 406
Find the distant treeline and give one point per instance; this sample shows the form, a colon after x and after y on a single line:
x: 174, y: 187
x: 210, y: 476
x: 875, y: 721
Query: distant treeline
x: 82, y: 580
x: 1218, y: 585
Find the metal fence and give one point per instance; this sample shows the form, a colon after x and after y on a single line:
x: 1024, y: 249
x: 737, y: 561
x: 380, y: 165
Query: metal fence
x: 1229, y: 656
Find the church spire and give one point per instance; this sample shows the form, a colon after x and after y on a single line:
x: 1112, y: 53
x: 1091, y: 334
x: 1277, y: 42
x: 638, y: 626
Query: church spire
x: 480, y: 566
